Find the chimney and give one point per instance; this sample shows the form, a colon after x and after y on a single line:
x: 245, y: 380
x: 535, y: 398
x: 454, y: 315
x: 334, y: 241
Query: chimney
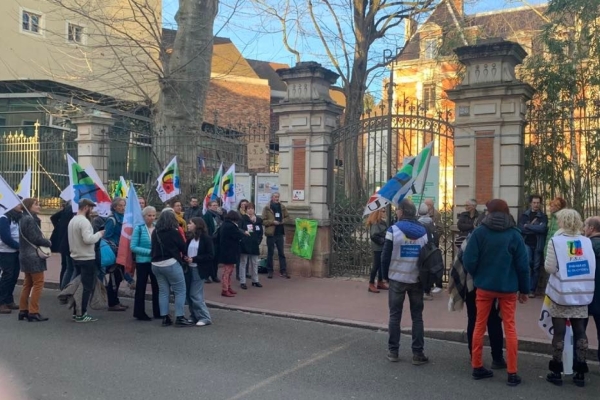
x: 460, y: 7
x: 410, y: 27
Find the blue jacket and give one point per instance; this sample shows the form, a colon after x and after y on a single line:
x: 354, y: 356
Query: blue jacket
x: 496, y: 256
x: 594, y: 307
x: 539, y: 229
x: 141, y: 244
x: 112, y: 229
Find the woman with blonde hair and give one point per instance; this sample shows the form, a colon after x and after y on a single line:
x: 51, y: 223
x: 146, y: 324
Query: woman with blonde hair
x: 376, y: 222
x: 571, y: 263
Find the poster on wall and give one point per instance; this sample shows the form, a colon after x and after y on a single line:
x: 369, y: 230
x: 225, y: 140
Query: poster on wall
x: 432, y: 183
x: 243, y: 187
x: 264, y: 186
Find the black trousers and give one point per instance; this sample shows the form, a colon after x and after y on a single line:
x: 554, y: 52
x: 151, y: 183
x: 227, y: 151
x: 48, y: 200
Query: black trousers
x: 89, y: 273
x: 112, y: 288
x: 272, y: 242
x: 143, y: 272
x: 10, y: 268
x: 494, y: 326
x: 376, y: 268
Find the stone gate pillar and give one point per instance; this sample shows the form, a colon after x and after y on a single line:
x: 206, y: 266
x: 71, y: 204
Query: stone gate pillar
x: 489, y: 127
x: 307, y: 116
x: 92, y: 141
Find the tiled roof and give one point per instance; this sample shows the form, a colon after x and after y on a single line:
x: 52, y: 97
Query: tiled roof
x: 266, y: 70
x: 497, y: 24
x: 226, y: 59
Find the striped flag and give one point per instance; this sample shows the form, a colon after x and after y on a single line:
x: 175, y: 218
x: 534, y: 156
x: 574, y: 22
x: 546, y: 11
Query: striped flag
x: 213, y: 192
x: 132, y: 218
x: 122, y: 189
x: 168, y: 182
x: 403, y: 183
x: 227, y: 188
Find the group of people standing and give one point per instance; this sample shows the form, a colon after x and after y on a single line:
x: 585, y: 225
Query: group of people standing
x: 497, y: 265
x: 177, y: 251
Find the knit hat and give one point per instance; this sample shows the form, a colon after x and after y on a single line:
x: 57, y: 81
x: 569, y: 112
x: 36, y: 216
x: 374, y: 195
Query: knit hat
x: 423, y: 209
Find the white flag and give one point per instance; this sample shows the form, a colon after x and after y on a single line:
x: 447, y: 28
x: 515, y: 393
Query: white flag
x: 8, y: 198
x: 168, y: 182
x: 24, y: 188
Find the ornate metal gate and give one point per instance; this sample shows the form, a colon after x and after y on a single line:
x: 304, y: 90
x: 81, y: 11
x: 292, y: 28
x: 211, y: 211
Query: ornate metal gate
x: 359, y: 157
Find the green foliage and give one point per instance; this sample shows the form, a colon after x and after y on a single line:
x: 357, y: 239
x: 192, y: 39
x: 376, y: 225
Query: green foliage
x: 563, y: 143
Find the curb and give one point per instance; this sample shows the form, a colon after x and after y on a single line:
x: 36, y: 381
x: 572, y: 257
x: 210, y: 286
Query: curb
x: 448, y: 335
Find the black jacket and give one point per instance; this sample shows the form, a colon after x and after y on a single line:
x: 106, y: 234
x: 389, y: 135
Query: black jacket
x: 60, y: 222
x: 465, y: 223
x: 205, y: 257
x: 192, y: 212
x: 230, y: 236
x: 171, y: 245
x: 251, y: 244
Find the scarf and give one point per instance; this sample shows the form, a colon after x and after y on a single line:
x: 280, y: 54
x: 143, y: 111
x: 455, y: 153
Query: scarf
x: 460, y: 282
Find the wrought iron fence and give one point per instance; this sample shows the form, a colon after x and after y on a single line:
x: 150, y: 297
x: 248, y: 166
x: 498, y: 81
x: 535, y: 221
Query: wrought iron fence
x: 44, y: 150
x: 411, y: 126
x: 562, y: 148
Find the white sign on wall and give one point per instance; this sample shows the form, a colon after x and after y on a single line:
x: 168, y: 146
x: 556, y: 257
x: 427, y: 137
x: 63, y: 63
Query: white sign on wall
x: 264, y: 186
x: 243, y: 187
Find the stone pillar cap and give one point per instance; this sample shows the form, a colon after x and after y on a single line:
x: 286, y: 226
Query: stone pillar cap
x: 489, y: 48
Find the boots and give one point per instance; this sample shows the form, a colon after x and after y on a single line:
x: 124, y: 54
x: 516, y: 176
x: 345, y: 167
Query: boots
x: 381, y: 285
x: 231, y: 291
x: 373, y: 288
x: 167, y: 321
x: 226, y: 293
x: 580, y: 368
x: 555, y: 377
x: 23, y: 315
x: 5, y: 309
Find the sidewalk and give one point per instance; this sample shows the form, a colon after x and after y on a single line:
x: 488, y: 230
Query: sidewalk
x: 347, y: 302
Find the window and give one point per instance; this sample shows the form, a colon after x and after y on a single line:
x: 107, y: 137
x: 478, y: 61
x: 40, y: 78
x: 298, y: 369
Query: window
x: 74, y: 33
x: 430, y: 49
x: 31, y: 22
x: 429, y: 97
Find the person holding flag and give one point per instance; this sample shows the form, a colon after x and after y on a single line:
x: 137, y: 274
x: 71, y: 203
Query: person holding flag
x: 11, y: 212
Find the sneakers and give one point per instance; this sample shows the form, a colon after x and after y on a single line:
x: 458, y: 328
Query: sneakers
x: 427, y: 296
x: 393, y: 357
x: 419, y: 359
x: 436, y: 290
x: 513, y: 380
x: 285, y: 275
x: 5, y: 309
x: 499, y: 364
x: 481, y: 373
x: 200, y: 323
x: 85, y: 318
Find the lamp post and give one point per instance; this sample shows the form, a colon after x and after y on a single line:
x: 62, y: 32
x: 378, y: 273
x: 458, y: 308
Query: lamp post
x: 388, y: 57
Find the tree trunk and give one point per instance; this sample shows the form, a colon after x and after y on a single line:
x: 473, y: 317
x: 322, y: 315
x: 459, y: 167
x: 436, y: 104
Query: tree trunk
x: 179, y: 113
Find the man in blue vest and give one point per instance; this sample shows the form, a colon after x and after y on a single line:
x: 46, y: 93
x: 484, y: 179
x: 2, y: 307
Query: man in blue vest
x: 403, y: 243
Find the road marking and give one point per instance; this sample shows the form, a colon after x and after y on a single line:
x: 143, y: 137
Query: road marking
x: 317, y: 357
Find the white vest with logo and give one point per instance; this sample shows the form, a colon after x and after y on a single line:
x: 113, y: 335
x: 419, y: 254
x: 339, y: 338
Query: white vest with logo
x: 573, y: 283
x: 14, y: 234
x: 405, y: 254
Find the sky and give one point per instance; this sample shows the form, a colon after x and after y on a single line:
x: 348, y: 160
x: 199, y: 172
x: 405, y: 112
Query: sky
x: 259, y: 37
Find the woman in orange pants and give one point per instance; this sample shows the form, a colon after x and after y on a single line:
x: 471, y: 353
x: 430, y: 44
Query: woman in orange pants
x: 497, y: 259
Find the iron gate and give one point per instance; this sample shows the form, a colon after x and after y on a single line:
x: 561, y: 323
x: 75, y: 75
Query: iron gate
x: 358, y: 167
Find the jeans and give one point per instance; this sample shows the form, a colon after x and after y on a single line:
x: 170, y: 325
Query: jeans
x: 112, y: 288
x: 252, y: 262
x: 69, y: 273
x: 376, y: 268
x: 508, y: 307
x: 144, y: 271
x: 494, y: 326
x: 397, y: 293
x: 10, y: 267
x: 32, y: 284
x: 273, y: 241
x: 197, y: 305
x: 535, y: 263
x: 170, y: 277
x: 89, y: 273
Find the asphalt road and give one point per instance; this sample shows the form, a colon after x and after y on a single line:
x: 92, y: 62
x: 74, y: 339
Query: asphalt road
x: 242, y: 356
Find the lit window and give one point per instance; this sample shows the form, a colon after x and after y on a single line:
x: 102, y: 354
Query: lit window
x: 429, y: 97
x: 31, y: 22
x: 75, y: 33
x: 430, y: 49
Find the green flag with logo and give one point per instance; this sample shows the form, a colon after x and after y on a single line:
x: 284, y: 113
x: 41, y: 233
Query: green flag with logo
x: 304, y: 238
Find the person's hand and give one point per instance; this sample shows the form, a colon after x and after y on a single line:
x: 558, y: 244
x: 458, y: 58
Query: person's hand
x: 101, y: 233
x: 523, y: 298
x: 276, y: 222
x: 246, y: 233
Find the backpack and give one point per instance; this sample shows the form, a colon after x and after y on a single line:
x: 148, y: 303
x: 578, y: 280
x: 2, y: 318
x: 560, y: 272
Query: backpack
x: 430, y: 262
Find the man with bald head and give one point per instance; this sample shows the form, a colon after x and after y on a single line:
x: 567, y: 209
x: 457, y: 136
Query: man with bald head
x: 591, y: 229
